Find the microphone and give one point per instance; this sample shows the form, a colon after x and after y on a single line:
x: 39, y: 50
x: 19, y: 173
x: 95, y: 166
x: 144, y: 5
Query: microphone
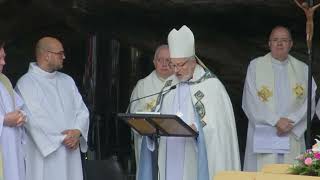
x: 161, y: 101
x: 160, y: 92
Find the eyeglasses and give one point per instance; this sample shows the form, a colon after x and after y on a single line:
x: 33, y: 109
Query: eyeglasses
x: 60, y: 53
x: 280, y: 40
x: 178, y: 66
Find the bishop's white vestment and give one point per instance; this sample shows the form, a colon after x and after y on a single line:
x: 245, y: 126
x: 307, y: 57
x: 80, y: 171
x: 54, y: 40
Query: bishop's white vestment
x: 275, y: 89
x: 204, y: 102
x: 53, y: 104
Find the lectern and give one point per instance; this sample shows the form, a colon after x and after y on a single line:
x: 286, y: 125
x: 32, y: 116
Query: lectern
x: 157, y: 125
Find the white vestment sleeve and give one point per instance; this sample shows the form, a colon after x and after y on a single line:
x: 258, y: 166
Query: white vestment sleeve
x: 134, y: 95
x: 136, y: 106
x: 82, y: 119
x: 256, y: 111
x: 18, y: 101
x: 18, y: 105
x: 42, y: 135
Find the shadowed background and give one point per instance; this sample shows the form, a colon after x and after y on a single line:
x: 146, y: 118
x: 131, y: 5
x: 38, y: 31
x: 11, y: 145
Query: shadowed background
x: 228, y: 33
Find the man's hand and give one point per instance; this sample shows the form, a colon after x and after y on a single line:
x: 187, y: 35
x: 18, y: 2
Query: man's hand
x: 284, y: 125
x: 72, y: 139
x: 14, y: 119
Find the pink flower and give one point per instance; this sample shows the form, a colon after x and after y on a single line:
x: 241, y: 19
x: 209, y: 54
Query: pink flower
x: 317, y: 155
x: 308, y: 161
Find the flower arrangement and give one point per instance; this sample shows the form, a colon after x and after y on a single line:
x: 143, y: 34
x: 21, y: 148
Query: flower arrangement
x: 308, y: 163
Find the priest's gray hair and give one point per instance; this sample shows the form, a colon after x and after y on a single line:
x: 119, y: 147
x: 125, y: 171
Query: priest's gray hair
x: 159, y: 48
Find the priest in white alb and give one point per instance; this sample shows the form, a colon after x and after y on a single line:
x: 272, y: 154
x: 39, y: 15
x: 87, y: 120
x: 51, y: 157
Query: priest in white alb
x: 151, y: 84
x: 275, y: 102
x: 202, y: 102
x: 12, y: 135
x: 58, y: 119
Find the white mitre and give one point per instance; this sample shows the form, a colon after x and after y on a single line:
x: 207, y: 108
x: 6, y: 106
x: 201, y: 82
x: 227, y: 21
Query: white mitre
x: 181, y: 43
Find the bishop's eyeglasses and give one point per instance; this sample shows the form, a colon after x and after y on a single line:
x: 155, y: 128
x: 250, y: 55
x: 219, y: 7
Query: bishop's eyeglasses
x: 178, y: 66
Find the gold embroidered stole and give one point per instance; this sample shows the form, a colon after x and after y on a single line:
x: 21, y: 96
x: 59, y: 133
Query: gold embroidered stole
x: 265, y: 81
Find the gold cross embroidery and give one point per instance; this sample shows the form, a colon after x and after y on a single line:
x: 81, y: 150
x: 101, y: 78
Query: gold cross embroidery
x: 264, y: 93
x: 150, y: 104
x: 298, y: 90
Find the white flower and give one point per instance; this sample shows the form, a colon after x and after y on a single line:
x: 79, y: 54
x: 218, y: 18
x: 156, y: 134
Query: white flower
x: 316, y: 147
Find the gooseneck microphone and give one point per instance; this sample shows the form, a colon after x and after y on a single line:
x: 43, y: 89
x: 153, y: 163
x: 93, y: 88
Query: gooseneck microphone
x: 160, y: 92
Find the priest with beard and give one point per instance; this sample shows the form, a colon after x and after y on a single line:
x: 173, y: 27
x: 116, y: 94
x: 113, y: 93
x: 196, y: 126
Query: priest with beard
x: 58, y: 120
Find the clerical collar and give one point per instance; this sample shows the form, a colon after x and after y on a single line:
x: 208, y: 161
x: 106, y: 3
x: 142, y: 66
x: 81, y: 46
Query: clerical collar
x: 160, y: 78
x: 36, y: 69
x: 278, y: 62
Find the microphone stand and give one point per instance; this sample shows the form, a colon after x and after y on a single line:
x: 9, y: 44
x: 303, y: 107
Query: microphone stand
x: 156, y: 137
x: 134, y: 100
x: 162, y: 96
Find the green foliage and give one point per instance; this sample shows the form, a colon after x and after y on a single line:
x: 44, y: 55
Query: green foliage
x: 307, y: 163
